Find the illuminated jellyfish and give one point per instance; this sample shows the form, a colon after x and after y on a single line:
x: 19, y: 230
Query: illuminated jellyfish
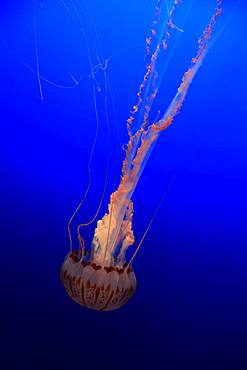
x: 104, y: 280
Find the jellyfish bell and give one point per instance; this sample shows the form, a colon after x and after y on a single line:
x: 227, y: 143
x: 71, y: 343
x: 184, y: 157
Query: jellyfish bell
x: 95, y: 286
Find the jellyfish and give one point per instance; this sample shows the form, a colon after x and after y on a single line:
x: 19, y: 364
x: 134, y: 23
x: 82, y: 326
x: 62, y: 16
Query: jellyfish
x: 103, y: 279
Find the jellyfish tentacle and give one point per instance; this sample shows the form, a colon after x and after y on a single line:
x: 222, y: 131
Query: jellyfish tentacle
x: 153, y: 27
x: 151, y: 88
x: 107, y: 166
x: 153, y: 218
x: 119, y: 202
x: 96, y: 129
x: 88, y: 170
x: 138, y: 151
x: 36, y: 50
x: 107, y: 85
x: 103, y: 67
x: 189, y: 75
x: 143, y: 95
x: 25, y: 64
x: 108, y: 230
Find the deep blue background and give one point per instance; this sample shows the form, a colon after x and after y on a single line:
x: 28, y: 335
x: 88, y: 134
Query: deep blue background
x: 189, y: 311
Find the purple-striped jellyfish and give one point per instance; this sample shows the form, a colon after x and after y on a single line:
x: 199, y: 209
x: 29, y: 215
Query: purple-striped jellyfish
x: 104, y: 280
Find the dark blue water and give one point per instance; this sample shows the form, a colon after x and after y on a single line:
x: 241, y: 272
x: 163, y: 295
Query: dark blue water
x: 189, y: 311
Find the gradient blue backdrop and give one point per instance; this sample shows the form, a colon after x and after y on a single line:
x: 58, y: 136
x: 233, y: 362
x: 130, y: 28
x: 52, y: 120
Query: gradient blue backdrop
x: 189, y: 311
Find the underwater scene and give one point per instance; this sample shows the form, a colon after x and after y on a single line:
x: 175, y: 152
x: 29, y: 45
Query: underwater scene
x: 123, y: 184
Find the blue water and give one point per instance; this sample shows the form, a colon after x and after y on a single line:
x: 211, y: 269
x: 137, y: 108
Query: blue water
x: 189, y: 310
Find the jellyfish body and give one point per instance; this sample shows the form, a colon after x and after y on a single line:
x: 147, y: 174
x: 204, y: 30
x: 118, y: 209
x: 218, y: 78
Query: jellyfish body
x: 104, y: 280
x: 95, y: 286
